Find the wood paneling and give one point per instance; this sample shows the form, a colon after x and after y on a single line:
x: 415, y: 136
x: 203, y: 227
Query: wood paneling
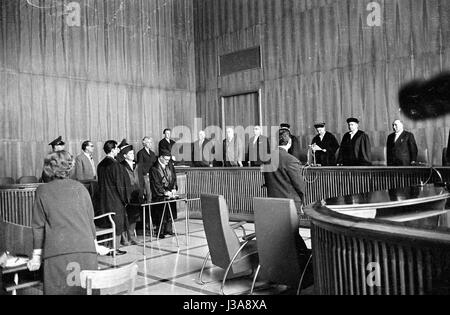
x: 126, y: 72
x: 321, y: 61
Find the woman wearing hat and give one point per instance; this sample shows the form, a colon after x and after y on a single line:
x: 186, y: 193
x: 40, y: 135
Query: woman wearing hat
x: 355, y: 146
x: 324, y: 146
x: 133, y: 208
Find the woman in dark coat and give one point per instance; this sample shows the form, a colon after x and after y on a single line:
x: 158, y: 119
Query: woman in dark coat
x: 63, y: 228
x: 136, y: 192
x: 324, y: 146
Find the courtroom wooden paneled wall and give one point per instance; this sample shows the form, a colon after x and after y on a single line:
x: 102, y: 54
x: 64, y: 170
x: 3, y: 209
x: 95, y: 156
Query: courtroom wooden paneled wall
x: 322, y: 61
x: 125, y: 72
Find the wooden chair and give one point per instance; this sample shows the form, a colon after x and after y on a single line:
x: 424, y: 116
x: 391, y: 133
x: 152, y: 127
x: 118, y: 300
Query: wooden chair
x: 27, y: 180
x: 281, y: 258
x: 110, y: 278
x: 237, y: 257
x: 17, y: 240
x: 6, y: 181
x: 109, y: 232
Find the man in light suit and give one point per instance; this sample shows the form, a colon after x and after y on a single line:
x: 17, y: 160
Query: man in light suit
x: 146, y: 158
x: 202, y: 151
x: 85, y: 168
x: 401, y: 146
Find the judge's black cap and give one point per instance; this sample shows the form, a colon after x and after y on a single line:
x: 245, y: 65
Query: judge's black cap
x: 57, y: 141
x: 319, y: 125
x: 285, y: 126
x: 355, y: 120
x: 125, y: 147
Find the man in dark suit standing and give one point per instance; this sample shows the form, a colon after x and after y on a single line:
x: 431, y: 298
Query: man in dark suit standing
x: 202, y: 151
x: 355, y: 146
x: 85, y: 168
x: 166, y: 143
x: 294, y: 142
x: 284, y: 179
x: 146, y: 158
x: 163, y: 183
x: 113, y: 191
x: 401, y: 146
x: 258, y: 149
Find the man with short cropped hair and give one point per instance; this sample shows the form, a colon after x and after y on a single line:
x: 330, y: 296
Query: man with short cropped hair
x: 85, y: 168
x: 113, y: 190
x: 401, y: 147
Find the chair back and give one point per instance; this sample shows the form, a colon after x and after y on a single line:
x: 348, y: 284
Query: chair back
x: 278, y: 240
x: 378, y: 156
x: 444, y: 157
x: 422, y: 156
x: 16, y: 239
x: 6, y: 181
x: 222, y: 240
x: 27, y: 180
x: 110, y: 278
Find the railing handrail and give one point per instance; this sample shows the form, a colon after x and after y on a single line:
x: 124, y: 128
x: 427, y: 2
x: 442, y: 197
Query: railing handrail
x: 373, y: 228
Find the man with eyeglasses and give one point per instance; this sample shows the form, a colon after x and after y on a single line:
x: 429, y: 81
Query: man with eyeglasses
x: 163, y: 184
x: 85, y: 168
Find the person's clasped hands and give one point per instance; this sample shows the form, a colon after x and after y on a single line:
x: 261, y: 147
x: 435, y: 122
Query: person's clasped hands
x: 36, y: 260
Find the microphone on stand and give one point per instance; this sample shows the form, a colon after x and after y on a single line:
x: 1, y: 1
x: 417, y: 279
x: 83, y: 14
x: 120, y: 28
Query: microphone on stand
x: 311, y: 152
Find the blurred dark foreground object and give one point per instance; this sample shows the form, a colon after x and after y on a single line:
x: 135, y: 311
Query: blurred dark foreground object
x: 422, y: 99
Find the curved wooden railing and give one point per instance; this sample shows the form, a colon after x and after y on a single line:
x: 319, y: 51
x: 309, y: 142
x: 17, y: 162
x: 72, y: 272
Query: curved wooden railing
x: 240, y: 185
x: 355, y: 256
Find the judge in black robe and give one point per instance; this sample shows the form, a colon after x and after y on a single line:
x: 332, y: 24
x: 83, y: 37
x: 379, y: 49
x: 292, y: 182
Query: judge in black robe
x: 325, y: 146
x: 355, y: 146
x: 136, y: 198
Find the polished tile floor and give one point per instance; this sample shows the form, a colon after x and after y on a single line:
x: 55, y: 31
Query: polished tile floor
x: 171, y: 270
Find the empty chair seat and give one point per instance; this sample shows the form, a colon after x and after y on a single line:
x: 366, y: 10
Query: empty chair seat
x: 283, y: 256
x: 238, y: 257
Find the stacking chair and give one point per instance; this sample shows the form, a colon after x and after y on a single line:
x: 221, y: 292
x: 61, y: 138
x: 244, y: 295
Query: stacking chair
x: 27, y: 180
x: 6, y: 181
x: 281, y: 260
x: 109, y: 232
x: 237, y: 257
x: 17, y: 240
x: 110, y: 278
